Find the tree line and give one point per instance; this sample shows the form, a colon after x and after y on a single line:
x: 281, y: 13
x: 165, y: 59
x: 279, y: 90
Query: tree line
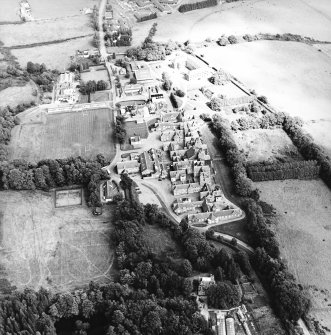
x: 146, y: 17
x: 290, y: 300
x: 308, y: 148
x: 281, y: 171
x: 49, y: 173
x: 197, y: 5
x: 120, y: 131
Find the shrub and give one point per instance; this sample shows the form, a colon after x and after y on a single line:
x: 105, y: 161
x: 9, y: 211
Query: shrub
x: 232, y: 39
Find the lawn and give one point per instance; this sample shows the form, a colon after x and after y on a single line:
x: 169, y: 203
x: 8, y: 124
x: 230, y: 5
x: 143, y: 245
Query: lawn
x: 45, y: 54
x: 305, y: 17
x: 304, y: 234
x: 45, y: 31
x: 95, y: 75
x: 235, y: 229
x: 266, y: 144
x: 60, y: 249
x: 85, y: 134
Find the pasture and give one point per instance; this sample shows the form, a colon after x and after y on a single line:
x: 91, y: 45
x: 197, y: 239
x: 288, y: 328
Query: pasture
x: 304, y: 234
x: 266, y: 144
x: 305, y: 17
x: 12, y: 96
x: 60, y: 249
x: 45, y: 53
x: 45, y: 31
x: 61, y: 135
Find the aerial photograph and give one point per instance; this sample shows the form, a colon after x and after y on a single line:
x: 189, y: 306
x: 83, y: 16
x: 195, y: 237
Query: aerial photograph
x: 165, y: 167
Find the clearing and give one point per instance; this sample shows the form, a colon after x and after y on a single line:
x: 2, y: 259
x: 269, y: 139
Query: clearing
x: 44, y: 31
x: 266, y: 144
x: 60, y: 248
x: 86, y: 133
x: 304, y: 233
x: 45, y: 53
x: 305, y: 17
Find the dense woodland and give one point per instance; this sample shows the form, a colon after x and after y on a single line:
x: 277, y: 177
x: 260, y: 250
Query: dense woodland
x: 197, y: 5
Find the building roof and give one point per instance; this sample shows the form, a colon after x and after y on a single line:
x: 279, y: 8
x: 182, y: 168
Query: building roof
x: 146, y: 162
x: 143, y: 74
x: 127, y: 165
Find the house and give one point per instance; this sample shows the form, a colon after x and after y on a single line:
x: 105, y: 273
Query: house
x: 128, y: 167
x: 143, y: 75
x: 179, y: 206
x: 108, y: 190
x: 230, y: 330
x: 188, y: 188
x: 149, y: 164
x: 136, y: 142
x: 204, y: 284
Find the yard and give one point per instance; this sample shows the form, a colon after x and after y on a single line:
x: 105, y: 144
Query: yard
x: 45, y: 53
x: 266, y: 144
x: 85, y: 134
x: 60, y: 249
x: 304, y: 234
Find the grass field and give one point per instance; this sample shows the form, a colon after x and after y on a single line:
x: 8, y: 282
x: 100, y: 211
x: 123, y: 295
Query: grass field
x: 45, y: 54
x: 305, y: 17
x: 9, y: 10
x: 52, y: 9
x: 266, y: 144
x: 95, y: 75
x: 12, y: 96
x: 45, y: 31
x: 63, y: 135
x: 60, y: 248
x: 71, y: 197
x: 304, y: 233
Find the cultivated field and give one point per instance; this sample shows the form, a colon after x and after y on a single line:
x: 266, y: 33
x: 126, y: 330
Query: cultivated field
x: 63, y: 135
x: 45, y: 54
x: 304, y: 233
x: 48, y: 9
x: 266, y: 144
x: 305, y: 17
x: 12, y: 96
x: 9, y: 11
x: 60, y: 248
x: 45, y: 31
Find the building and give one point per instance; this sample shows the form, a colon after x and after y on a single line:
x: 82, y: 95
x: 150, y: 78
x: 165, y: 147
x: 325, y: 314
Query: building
x: 149, y: 164
x: 135, y: 141
x: 108, y: 191
x: 204, y: 283
x: 230, y: 330
x: 196, y: 71
x: 65, y: 88
x: 143, y: 75
x: 129, y: 167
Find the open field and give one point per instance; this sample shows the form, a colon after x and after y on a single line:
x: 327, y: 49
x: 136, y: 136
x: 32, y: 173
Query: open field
x: 304, y: 233
x: 61, y: 135
x: 266, y: 144
x: 13, y: 96
x: 60, y: 248
x: 305, y: 17
x: 45, y: 54
x: 52, y: 9
x: 44, y: 31
x: 9, y: 11
x: 294, y: 76
x: 321, y: 132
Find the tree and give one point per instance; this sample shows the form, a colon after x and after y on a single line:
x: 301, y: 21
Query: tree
x: 222, y: 296
x: 186, y: 268
x: 180, y: 93
x: 133, y: 80
x: 101, y: 85
x: 232, y: 39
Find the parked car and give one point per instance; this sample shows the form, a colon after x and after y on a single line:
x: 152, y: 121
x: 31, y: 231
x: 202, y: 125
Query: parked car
x: 97, y: 211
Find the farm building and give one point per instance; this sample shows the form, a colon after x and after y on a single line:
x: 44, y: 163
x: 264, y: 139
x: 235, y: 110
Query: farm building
x: 65, y: 88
